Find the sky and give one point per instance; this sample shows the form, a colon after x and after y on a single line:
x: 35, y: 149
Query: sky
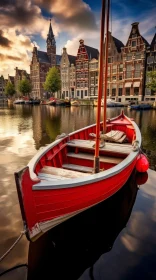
x: 25, y: 23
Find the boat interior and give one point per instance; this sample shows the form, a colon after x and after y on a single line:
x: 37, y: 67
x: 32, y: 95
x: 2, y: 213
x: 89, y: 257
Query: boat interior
x: 73, y: 156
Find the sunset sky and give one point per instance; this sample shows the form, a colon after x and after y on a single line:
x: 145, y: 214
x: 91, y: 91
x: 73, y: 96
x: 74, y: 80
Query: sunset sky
x: 23, y: 23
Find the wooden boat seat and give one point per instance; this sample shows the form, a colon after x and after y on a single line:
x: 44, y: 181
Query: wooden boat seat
x: 125, y: 148
x: 112, y: 136
x: 107, y: 159
x: 84, y: 169
x: 54, y: 173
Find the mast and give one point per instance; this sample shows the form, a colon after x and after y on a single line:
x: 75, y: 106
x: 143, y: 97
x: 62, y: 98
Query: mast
x: 100, y: 87
x: 106, y: 66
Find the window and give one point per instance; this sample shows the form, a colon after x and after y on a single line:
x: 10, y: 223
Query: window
x: 120, y: 77
x: 109, y: 59
x: 113, y: 91
x: 92, y: 91
x: 129, y: 56
x: 114, y: 78
x: 120, y: 91
x: 133, y: 43
x: 121, y: 68
x: 86, y: 92
x: 114, y: 68
x: 138, y: 55
x: 107, y: 91
x: 127, y: 91
x: 150, y: 59
x: 78, y: 93
x: 136, y: 91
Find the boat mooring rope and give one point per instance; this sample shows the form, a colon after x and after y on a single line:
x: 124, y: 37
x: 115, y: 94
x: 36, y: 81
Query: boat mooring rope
x: 13, y: 245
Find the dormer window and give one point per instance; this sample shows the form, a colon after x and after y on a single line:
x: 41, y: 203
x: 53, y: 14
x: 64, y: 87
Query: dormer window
x: 133, y: 44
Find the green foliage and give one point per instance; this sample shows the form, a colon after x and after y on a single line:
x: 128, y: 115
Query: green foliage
x: 24, y: 86
x: 53, y: 80
x: 9, y: 89
x: 152, y: 83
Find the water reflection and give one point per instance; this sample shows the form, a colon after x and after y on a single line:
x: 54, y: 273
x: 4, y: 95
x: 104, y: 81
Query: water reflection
x: 44, y: 123
x: 68, y: 250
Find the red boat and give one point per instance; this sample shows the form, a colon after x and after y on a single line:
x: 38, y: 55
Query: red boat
x: 79, y: 170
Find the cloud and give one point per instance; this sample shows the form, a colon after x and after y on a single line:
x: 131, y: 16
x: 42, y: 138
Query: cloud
x: 70, y: 16
x: 6, y: 43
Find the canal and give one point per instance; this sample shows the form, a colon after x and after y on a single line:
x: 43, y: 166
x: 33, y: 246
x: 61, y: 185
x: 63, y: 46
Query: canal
x: 94, y: 245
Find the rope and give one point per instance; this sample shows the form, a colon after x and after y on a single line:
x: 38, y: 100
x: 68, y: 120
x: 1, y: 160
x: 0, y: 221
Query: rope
x: 13, y: 245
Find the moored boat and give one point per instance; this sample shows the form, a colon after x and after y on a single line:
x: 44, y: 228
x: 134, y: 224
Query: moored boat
x: 75, y: 103
x: 79, y: 170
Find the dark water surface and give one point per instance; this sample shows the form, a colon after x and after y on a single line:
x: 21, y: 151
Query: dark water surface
x: 96, y: 244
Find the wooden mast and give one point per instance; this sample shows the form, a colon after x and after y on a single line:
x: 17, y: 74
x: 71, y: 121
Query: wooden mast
x: 100, y: 87
x: 106, y: 66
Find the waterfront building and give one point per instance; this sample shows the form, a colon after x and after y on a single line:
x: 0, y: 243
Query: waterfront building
x: 68, y: 75
x: 93, y: 78
x: 84, y: 55
x: 2, y: 87
x: 134, y: 58
x: 40, y: 64
x: 150, y: 66
x: 115, y: 68
x: 20, y: 75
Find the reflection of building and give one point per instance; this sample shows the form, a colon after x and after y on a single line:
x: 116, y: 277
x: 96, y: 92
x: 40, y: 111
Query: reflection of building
x: 134, y: 55
x: 20, y: 75
x: 84, y: 55
x: 151, y: 66
x: 41, y: 62
x: 67, y: 69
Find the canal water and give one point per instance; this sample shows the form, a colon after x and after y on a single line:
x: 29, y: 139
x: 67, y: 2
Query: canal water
x: 114, y: 240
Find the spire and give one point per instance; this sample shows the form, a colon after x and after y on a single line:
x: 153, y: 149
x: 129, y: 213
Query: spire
x: 50, y: 36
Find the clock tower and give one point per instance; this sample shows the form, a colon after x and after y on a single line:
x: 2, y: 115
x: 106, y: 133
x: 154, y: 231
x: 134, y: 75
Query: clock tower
x: 51, y: 46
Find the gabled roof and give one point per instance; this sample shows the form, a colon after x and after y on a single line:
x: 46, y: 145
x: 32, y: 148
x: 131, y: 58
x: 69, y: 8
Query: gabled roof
x: 92, y: 52
x: 118, y: 44
x: 72, y: 59
x: 43, y: 57
x: 145, y: 41
x: 58, y: 59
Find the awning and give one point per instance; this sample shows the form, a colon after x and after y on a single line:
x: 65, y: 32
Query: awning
x: 120, y: 86
x: 128, y: 84
x: 136, y: 84
x: 113, y: 85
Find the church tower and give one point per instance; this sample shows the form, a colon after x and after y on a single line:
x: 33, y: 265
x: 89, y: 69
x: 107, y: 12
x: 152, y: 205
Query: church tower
x: 51, y: 46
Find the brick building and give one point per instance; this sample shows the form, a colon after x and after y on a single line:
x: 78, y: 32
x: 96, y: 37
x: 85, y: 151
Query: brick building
x: 134, y: 59
x: 150, y: 66
x: 41, y: 62
x: 115, y: 68
x: 84, y: 55
x: 68, y: 74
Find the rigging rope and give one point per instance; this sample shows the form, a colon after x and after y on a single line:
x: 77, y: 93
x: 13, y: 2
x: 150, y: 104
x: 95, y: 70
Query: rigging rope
x: 13, y: 245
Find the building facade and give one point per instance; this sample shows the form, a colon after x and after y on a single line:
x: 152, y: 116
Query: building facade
x: 84, y: 55
x: 150, y: 66
x: 115, y: 68
x: 2, y: 87
x: 68, y: 75
x: 134, y: 60
x: 20, y: 75
x: 40, y: 64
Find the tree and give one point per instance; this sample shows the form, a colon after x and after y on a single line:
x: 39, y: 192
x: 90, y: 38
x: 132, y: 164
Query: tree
x: 53, y: 80
x: 9, y: 89
x: 24, y: 86
x: 152, y: 83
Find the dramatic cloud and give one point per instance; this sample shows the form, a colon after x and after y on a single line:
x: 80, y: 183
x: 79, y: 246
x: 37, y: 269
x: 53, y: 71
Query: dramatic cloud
x: 4, y: 42
x: 78, y: 15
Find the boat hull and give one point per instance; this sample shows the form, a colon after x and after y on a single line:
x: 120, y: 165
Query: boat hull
x: 47, y: 203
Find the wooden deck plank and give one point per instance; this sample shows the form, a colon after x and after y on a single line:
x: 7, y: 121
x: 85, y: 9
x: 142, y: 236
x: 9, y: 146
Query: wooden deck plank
x: 61, y: 173
x: 84, y: 169
x: 109, y: 147
x: 107, y: 159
